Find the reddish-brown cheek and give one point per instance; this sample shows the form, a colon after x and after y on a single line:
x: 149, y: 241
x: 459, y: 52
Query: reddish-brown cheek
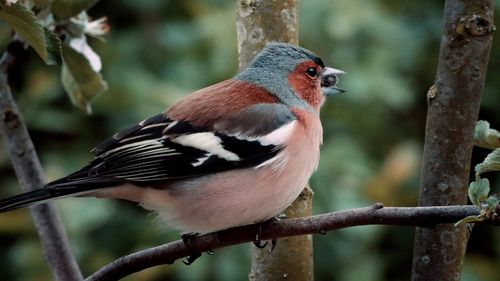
x: 307, y: 89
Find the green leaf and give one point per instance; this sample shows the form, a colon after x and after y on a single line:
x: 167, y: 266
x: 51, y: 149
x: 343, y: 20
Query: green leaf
x: 65, y: 9
x: 79, y: 80
x: 478, y: 191
x: 490, y: 163
x: 54, y: 48
x: 24, y: 22
x: 491, y: 202
x: 485, y: 137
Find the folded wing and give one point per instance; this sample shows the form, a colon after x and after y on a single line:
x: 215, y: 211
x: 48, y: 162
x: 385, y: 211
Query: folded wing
x: 161, y: 149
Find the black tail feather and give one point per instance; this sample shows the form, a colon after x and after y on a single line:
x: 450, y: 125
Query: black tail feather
x: 26, y: 199
x: 39, y: 196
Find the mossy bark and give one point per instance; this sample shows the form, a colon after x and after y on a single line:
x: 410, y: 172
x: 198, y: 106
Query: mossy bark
x: 259, y: 22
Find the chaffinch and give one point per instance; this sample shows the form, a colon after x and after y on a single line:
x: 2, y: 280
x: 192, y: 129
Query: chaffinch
x: 235, y: 153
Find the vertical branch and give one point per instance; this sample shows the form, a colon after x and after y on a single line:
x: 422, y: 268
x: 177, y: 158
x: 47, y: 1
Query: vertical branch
x: 30, y: 176
x: 453, y: 106
x: 260, y: 22
x: 292, y: 258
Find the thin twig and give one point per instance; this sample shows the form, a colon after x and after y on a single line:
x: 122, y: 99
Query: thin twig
x: 30, y: 176
x: 320, y: 224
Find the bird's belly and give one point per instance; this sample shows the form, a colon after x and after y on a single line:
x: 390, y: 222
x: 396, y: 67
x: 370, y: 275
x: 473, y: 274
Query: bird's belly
x: 232, y: 198
x: 222, y: 201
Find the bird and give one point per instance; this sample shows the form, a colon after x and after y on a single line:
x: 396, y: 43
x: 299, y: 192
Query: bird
x: 234, y: 153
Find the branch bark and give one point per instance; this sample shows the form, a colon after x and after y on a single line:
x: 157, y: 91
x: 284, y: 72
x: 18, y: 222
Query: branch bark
x: 260, y: 22
x: 453, y: 106
x: 30, y: 176
x: 319, y: 224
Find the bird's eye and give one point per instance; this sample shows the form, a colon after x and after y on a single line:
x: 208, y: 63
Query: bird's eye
x: 312, y: 72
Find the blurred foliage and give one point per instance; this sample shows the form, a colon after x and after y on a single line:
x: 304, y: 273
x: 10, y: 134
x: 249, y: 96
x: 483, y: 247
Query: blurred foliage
x: 158, y: 51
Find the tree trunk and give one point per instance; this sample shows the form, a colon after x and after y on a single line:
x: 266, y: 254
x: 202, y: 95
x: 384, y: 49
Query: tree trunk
x: 292, y: 258
x: 259, y: 22
x: 453, y: 106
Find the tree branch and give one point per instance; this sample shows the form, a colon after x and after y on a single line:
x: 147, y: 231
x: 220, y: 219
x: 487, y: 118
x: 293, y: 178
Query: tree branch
x: 453, y: 106
x: 30, y: 176
x: 319, y: 224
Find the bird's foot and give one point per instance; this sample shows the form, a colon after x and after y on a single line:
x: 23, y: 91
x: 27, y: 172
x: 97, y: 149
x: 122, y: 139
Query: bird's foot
x: 186, y: 238
x: 191, y: 258
x: 259, y: 243
x: 257, y: 239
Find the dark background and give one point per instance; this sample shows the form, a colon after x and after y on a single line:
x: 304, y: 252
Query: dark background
x: 159, y: 51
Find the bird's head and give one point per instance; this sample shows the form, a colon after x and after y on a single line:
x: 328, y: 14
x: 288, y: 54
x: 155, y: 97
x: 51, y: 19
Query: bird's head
x: 296, y: 76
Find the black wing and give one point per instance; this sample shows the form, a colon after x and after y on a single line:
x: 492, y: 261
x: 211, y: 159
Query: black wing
x: 160, y: 149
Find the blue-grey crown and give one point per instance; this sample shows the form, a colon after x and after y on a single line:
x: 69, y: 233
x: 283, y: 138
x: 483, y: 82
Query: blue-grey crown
x: 283, y: 55
x: 271, y: 67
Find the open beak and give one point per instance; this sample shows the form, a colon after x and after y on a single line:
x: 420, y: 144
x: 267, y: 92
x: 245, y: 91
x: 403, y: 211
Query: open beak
x: 329, y: 81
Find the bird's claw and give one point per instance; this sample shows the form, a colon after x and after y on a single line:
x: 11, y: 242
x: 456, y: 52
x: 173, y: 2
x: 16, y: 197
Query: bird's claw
x: 257, y: 239
x: 186, y: 238
x: 258, y: 243
x: 191, y: 258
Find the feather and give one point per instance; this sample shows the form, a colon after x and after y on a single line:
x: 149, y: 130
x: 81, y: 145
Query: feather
x: 160, y: 148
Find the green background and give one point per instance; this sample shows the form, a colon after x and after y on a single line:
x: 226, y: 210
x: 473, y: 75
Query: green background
x: 159, y: 51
